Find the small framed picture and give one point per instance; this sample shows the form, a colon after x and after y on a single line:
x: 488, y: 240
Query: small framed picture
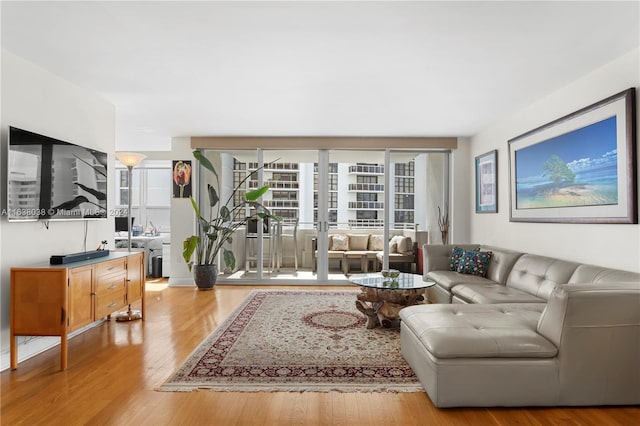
x: 182, y: 179
x: 487, y: 182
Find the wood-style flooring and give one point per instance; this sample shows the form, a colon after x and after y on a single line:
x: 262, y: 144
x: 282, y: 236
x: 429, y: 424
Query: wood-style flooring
x: 115, y: 367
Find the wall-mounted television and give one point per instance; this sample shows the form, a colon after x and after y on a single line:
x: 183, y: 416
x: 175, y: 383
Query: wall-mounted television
x: 50, y: 179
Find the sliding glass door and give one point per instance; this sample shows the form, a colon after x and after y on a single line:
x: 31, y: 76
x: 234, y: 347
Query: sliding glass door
x: 322, y: 193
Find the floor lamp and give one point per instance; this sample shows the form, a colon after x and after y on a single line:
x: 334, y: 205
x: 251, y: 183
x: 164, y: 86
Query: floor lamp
x: 129, y: 159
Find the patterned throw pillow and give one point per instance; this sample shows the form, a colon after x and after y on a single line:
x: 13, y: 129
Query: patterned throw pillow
x: 474, y: 262
x: 340, y: 242
x: 456, y: 253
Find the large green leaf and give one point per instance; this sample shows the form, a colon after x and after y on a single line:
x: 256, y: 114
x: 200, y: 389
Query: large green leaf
x: 256, y: 193
x: 229, y: 258
x: 195, y: 207
x: 213, y: 195
x: 205, y: 162
x: 188, y: 247
x: 225, y: 214
x: 204, y: 225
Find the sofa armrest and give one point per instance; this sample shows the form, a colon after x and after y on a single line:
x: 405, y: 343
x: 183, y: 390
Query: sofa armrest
x: 596, y: 328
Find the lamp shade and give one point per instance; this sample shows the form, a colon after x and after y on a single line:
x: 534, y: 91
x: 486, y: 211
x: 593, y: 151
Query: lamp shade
x: 130, y: 159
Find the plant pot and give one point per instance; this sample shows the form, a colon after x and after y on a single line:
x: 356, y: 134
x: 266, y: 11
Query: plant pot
x: 205, y: 276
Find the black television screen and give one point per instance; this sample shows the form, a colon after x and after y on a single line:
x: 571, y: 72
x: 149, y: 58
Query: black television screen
x: 51, y: 179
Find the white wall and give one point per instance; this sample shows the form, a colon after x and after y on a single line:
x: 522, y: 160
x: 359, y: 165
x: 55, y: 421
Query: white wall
x: 36, y: 100
x: 616, y: 246
x: 461, y: 193
x: 182, y: 217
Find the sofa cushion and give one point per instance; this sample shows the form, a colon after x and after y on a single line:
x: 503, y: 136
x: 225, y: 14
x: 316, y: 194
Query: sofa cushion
x: 474, y: 262
x: 393, y: 244
x: 376, y: 242
x: 405, y: 245
x: 358, y: 242
x: 479, y: 331
x: 491, y: 292
x: 448, y: 279
x: 340, y: 242
x: 539, y: 275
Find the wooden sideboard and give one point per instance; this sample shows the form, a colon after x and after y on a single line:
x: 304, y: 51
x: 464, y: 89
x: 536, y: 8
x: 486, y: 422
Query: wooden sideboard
x: 55, y: 300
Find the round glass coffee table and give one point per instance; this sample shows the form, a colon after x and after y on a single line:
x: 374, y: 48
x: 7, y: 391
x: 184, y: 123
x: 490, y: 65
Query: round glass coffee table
x: 382, y: 298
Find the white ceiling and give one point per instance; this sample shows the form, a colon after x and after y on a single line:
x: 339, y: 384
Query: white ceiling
x: 317, y: 68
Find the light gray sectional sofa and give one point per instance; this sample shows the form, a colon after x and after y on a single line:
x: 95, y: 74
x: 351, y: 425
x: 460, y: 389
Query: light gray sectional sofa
x: 535, y: 331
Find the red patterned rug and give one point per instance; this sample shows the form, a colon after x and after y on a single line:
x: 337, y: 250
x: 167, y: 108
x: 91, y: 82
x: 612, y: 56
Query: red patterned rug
x: 293, y: 340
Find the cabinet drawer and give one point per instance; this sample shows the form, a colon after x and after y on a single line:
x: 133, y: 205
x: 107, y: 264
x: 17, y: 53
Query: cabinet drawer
x: 110, y: 267
x: 109, y: 302
x: 111, y: 294
x: 110, y: 283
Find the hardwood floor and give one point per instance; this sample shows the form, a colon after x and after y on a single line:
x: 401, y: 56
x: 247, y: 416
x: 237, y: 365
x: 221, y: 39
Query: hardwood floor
x: 115, y: 367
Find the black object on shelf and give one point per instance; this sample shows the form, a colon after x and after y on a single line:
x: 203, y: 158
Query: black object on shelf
x: 77, y: 257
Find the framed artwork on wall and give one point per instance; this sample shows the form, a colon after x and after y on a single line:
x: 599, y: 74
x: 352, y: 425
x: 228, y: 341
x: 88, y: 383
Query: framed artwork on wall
x: 181, y: 178
x: 580, y: 168
x: 487, y: 182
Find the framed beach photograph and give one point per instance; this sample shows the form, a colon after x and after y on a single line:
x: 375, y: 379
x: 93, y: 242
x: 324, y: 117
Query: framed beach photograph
x: 580, y: 168
x: 487, y: 182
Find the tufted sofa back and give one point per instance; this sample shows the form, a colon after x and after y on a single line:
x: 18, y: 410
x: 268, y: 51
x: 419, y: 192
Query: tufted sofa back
x: 598, y: 274
x: 502, y: 261
x: 539, y: 275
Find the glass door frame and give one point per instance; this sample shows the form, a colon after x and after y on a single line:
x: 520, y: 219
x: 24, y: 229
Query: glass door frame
x: 322, y: 222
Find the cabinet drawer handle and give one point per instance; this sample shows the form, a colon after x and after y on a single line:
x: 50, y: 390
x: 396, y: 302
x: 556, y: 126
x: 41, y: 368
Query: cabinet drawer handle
x: 112, y: 286
x: 93, y: 293
x: 111, y: 305
x: 108, y: 269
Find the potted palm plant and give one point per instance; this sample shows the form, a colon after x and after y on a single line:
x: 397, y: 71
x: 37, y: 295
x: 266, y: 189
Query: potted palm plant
x: 201, y: 251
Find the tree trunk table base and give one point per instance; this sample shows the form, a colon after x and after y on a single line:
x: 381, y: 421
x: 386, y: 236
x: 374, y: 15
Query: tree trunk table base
x: 382, y: 306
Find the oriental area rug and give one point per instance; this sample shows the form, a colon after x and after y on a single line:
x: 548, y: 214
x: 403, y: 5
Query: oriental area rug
x: 295, y: 340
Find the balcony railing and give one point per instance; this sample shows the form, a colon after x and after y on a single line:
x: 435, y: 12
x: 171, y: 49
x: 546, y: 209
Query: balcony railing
x: 367, y: 169
x: 276, y: 184
x: 282, y: 203
x: 366, y: 205
x: 366, y: 187
x: 365, y: 223
x: 276, y: 166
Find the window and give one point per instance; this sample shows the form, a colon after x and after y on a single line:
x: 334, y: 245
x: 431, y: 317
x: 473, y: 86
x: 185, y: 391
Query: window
x: 367, y: 179
x: 404, y: 201
x: 366, y: 196
x: 366, y: 215
x: 404, y: 185
x: 405, y: 169
x: 150, y: 195
x: 403, y: 217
